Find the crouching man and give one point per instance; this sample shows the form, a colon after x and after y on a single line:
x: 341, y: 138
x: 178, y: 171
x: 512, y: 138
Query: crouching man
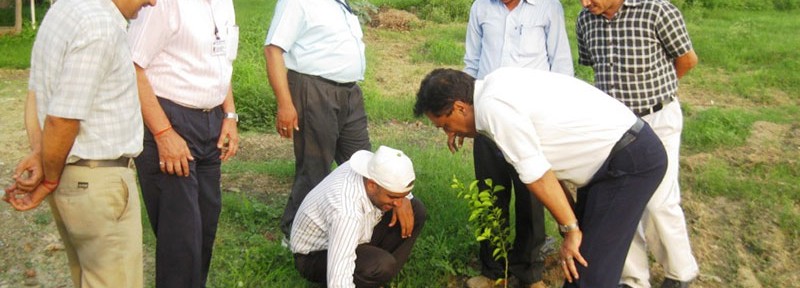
x: 356, y: 228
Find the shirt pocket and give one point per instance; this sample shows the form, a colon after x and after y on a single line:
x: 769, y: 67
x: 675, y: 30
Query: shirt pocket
x: 533, y: 40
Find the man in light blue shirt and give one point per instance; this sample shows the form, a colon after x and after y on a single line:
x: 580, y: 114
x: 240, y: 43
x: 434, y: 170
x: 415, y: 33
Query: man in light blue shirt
x: 514, y: 33
x: 315, y: 56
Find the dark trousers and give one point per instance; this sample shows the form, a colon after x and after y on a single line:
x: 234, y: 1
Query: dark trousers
x: 610, y: 206
x: 524, y: 261
x: 378, y: 261
x: 333, y: 126
x: 184, y: 211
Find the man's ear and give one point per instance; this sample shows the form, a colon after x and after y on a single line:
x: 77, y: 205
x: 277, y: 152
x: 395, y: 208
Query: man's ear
x: 459, y: 106
x: 371, y: 186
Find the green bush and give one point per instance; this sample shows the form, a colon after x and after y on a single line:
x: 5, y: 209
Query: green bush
x: 747, y: 5
x: 446, y: 11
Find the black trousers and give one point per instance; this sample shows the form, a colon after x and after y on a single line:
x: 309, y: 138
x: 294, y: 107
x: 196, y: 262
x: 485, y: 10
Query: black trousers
x: 333, y: 126
x: 378, y: 261
x: 184, y: 211
x: 610, y: 206
x: 525, y: 263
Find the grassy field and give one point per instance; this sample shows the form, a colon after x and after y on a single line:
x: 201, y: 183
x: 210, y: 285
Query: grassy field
x: 740, y: 170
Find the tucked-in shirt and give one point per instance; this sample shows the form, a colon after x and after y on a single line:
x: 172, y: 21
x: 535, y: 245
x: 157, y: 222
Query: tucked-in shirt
x: 532, y: 36
x: 633, y: 54
x: 187, y: 48
x: 320, y: 37
x: 336, y: 216
x: 81, y: 69
x: 542, y: 120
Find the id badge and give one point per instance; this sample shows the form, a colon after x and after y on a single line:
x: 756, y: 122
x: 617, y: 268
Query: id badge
x: 218, y: 49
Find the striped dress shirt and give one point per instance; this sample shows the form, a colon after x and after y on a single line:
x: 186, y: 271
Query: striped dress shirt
x: 178, y: 42
x: 336, y: 216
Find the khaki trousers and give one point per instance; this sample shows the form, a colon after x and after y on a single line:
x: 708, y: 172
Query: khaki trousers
x: 662, y: 229
x: 98, y: 216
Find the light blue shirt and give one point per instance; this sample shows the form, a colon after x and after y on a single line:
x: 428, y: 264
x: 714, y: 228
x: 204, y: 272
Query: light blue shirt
x: 320, y: 37
x: 531, y: 36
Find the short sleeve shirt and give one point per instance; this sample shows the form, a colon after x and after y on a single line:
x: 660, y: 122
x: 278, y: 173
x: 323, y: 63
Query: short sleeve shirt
x: 320, y: 37
x: 187, y: 48
x: 81, y: 69
x: 633, y: 54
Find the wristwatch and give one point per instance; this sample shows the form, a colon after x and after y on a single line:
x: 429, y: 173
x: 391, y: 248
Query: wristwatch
x: 232, y: 115
x: 567, y: 228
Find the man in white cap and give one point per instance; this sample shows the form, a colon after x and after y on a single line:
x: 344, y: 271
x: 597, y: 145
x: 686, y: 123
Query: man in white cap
x: 346, y: 231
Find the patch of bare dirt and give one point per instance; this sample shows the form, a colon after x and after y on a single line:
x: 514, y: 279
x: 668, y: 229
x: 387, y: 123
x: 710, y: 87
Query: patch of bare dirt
x: 394, y: 19
x: 733, y: 238
x: 31, y: 253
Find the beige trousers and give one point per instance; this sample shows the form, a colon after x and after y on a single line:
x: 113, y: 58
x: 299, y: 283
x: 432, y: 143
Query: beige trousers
x: 662, y: 229
x: 98, y: 215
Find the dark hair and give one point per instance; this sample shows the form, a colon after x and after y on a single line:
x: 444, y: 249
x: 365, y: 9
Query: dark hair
x: 440, y: 89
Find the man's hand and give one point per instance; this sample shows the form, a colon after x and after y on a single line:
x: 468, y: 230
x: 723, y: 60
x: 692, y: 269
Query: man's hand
x: 228, y: 139
x: 286, y: 121
x: 454, y: 142
x: 405, y: 214
x: 571, y: 256
x: 28, y: 173
x: 173, y: 153
x: 23, y: 201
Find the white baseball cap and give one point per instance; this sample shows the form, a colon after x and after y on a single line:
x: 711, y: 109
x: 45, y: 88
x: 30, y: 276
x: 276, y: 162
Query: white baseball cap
x: 388, y: 167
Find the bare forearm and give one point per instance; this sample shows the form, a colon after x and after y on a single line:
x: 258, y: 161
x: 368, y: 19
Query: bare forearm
x: 32, y: 123
x: 548, y: 190
x: 154, y: 116
x: 684, y: 63
x: 277, y: 74
x: 229, y: 105
x: 57, y: 139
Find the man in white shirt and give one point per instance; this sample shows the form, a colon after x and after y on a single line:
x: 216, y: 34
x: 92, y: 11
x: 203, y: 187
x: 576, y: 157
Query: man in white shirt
x: 346, y: 233
x: 183, y: 52
x: 315, y: 56
x: 553, y: 128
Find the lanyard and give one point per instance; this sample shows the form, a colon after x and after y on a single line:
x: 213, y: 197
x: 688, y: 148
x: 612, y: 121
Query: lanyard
x: 345, y: 5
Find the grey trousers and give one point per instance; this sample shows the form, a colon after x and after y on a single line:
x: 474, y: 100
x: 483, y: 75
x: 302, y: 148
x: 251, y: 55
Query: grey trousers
x: 333, y: 126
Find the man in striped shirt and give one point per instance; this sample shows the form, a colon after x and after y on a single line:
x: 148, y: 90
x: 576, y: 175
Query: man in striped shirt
x: 342, y: 233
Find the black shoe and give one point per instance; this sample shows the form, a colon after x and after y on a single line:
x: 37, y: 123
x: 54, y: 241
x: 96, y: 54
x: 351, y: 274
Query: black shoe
x: 672, y: 283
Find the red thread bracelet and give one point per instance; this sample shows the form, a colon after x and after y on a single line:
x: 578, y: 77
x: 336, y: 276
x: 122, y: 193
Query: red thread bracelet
x: 50, y: 184
x: 159, y: 133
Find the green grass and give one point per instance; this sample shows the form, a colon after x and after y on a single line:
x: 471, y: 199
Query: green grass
x: 744, y: 53
x: 748, y: 55
x: 447, y: 48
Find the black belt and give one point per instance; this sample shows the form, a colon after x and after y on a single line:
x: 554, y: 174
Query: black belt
x: 329, y: 81
x: 629, y: 136
x: 119, y: 162
x: 655, y: 108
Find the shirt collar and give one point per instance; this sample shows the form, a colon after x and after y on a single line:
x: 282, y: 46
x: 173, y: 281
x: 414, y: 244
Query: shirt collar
x: 530, y: 2
x: 631, y: 3
x: 121, y: 21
